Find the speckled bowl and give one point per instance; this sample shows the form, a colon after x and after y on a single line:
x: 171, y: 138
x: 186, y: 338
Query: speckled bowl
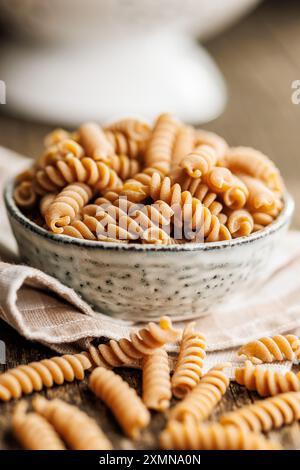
x: 144, y: 282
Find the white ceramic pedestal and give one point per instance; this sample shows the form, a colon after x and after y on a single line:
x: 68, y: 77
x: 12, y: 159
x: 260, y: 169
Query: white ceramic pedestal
x: 140, y: 75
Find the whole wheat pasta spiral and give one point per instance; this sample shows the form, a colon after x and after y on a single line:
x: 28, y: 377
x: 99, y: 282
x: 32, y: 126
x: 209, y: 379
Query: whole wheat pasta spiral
x: 200, y: 402
x: 203, y: 137
x: 124, y: 166
x: 200, y: 161
x: 60, y: 151
x: 267, y: 414
x: 136, y: 189
x: 89, y: 228
x: 72, y: 170
x: 141, y: 343
x: 25, y: 195
x: 124, y: 220
x: 161, y: 142
x: 127, y: 407
x: 45, y: 202
x: 272, y: 348
x: 56, y: 136
x: 240, y: 223
x: 261, y: 220
x: 192, y: 214
x: 133, y: 128
x: 79, y: 431
x: 201, y: 191
x: 156, y: 380
x: 261, y: 198
x: 67, y: 205
x: 94, y: 141
x: 188, y: 370
x: 231, y: 189
x: 254, y: 163
x: 33, y: 431
x: 124, y: 145
x: 266, y: 381
x: 25, y: 379
x: 193, y: 436
x: 183, y: 145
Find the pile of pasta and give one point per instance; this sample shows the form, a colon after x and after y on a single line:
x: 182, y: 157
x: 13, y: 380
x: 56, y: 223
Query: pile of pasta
x: 55, y: 424
x: 129, y: 182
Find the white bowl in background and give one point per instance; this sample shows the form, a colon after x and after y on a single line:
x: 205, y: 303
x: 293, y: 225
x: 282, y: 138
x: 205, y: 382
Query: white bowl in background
x: 79, y: 60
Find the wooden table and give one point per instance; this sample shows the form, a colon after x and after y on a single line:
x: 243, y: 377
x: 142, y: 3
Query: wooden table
x: 259, y: 57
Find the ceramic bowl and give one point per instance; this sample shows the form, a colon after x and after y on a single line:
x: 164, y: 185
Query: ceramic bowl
x: 142, y: 282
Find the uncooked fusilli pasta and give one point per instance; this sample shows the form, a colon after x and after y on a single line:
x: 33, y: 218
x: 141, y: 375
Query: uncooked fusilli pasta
x: 156, y: 380
x: 127, y: 407
x: 200, y: 402
x: 272, y: 348
x: 26, y: 378
x: 188, y: 370
x: 66, y: 206
x: 267, y: 381
x: 141, y: 343
x: 267, y: 414
x: 193, y: 436
x: 191, y: 169
x: 79, y: 431
x: 33, y: 431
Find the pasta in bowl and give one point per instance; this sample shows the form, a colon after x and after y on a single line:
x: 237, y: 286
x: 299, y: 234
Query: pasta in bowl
x: 144, y: 221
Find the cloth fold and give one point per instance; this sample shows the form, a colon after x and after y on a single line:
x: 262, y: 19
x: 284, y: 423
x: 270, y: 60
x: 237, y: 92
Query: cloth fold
x: 41, y: 309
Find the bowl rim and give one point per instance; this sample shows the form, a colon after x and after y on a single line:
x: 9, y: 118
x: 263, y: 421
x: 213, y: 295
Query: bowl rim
x: 14, y: 212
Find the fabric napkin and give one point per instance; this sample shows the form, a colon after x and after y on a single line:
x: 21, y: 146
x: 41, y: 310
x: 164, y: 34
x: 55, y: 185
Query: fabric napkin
x: 42, y: 309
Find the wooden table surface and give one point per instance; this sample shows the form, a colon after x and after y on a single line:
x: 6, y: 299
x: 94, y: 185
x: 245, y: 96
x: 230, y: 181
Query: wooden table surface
x: 259, y: 57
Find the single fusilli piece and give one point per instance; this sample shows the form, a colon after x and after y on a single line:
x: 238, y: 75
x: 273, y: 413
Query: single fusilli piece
x: 25, y: 195
x: 201, y: 191
x: 156, y: 380
x: 66, y: 206
x: 124, y: 166
x: 127, y: 407
x: 261, y: 198
x: 136, y: 189
x: 272, y: 348
x: 228, y: 186
x: 26, y: 378
x: 189, y: 211
x: 254, y: 163
x: 161, y: 142
x: 188, y: 370
x: 199, y: 162
x: 203, y: 137
x: 141, y: 343
x: 267, y: 414
x: 124, y: 220
x: 45, y: 202
x: 134, y: 129
x: 72, y: 170
x: 261, y: 220
x: 183, y: 145
x: 240, y: 223
x: 123, y: 145
x: 94, y: 141
x: 79, y: 431
x: 193, y: 436
x: 58, y: 135
x: 33, y: 431
x: 266, y: 381
x: 200, y: 402
x: 59, y: 151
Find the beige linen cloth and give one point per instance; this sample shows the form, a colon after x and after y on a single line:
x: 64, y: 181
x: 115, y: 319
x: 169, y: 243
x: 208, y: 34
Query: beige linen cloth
x: 42, y: 309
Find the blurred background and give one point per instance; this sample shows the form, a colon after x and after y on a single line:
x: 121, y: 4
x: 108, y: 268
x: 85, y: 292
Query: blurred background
x: 65, y: 61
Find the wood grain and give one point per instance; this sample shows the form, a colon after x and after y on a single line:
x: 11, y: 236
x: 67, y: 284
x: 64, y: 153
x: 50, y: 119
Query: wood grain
x: 259, y: 57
